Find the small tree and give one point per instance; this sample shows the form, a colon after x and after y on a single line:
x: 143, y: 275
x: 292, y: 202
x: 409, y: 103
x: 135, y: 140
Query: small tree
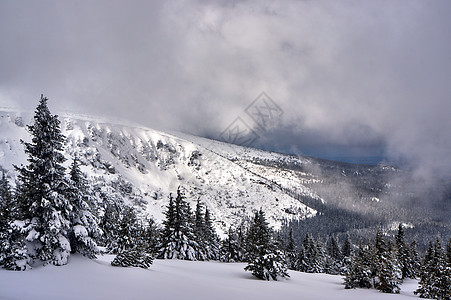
x: 84, y: 228
x: 231, y: 248
x: 131, y: 245
x: 178, y: 240
x: 435, y: 280
x: 13, y: 252
x: 387, y: 273
x: 265, y: 260
x: 333, y: 258
x: 403, y: 255
x: 359, y: 274
x: 290, y: 251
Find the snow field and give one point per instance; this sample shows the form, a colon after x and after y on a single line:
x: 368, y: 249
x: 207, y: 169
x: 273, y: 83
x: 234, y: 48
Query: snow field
x: 175, y: 279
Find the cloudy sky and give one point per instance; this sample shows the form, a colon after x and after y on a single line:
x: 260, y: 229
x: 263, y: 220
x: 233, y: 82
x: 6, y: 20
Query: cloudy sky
x: 353, y: 78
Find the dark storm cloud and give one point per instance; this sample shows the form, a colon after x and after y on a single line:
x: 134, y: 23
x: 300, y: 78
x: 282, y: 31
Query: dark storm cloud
x: 363, y: 74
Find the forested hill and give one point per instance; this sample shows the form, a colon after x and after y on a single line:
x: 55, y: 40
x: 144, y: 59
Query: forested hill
x: 139, y: 166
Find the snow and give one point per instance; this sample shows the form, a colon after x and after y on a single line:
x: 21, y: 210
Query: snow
x: 174, y: 279
x: 155, y: 163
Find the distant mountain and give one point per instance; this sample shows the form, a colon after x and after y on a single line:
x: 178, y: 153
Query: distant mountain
x: 141, y: 166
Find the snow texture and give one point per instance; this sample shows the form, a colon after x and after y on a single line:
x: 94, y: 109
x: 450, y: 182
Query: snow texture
x: 175, y: 279
x: 143, y: 166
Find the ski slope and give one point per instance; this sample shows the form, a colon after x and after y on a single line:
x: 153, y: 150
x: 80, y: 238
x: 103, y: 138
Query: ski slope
x: 174, y: 279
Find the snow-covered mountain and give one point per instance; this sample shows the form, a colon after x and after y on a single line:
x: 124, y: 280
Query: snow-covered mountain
x: 142, y: 166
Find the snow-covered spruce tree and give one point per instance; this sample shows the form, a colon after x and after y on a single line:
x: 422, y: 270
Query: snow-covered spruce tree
x: 346, y: 248
x: 416, y: 262
x: 265, y: 261
x: 210, y: 237
x: 200, y: 231
x: 290, y: 251
x: 131, y: 247
x: 333, y: 264
x: 178, y: 240
x: 435, y: 279
x: 150, y: 236
x: 44, y: 209
x: 387, y: 272
x: 310, y: 257
x: 84, y: 229
x: 403, y: 255
x: 426, y: 272
x: 12, y: 248
x: 360, y: 273
x: 6, y: 206
x: 231, y: 248
x: 109, y: 226
x: 346, y: 251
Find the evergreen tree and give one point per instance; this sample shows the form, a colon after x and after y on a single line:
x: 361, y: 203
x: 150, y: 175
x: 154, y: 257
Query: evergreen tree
x: 231, y: 249
x: 109, y: 226
x: 131, y: 245
x: 387, y: 273
x: 199, y: 223
x: 448, y: 252
x: 346, y: 254
x: 426, y: 273
x: 129, y: 231
x: 12, y: 249
x: 435, y: 280
x: 404, y: 255
x: 265, y: 261
x: 84, y: 228
x: 311, y: 257
x: 290, y: 251
x: 43, y: 206
x: 150, y: 236
x: 210, y: 237
x: 178, y: 240
x: 416, y: 263
x: 333, y: 258
x: 360, y: 273
x: 346, y: 249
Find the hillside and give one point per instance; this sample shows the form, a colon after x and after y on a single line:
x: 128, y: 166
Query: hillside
x: 138, y: 166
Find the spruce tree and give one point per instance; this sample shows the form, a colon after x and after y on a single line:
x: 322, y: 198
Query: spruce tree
x: 231, y: 248
x: 360, y: 273
x: 333, y: 258
x: 13, y: 254
x: 84, y: 228
x: 265, y: 261
x: 290, y: 251
x: 178, y: 240
x: 346, y: 249
x: 404, y: 255
x: 131, y: 248
x: 427, y: 271
x: 43, y: 206
x: 311, y: 257
x: 416, y: 263
x: 346, y: 254
x: 210, y: 237
x: 435, y: 280
x: 109, y: 226
x: 387, y: 273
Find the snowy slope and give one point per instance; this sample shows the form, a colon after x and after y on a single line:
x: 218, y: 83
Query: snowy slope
x: 174, y: 279
x: 142, y: 166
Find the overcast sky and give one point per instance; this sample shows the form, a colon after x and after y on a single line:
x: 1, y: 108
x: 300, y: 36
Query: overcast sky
x: 355, y: 77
